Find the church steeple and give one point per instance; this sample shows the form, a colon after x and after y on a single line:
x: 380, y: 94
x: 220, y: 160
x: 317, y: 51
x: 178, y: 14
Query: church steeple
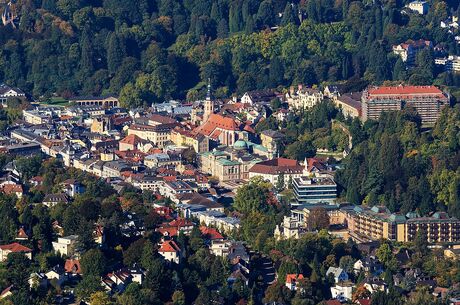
x: 208, y: 103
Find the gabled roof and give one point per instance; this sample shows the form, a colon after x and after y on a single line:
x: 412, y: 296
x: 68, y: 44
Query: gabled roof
x: 210, y: 233
x: 293, y: 278
x: 11, y: 189
x: 15, y: 248
x: 22, y: 234
x: 72, y: 266
x: 169, y: 246
x: 132, y: 139
x: 56, y: 198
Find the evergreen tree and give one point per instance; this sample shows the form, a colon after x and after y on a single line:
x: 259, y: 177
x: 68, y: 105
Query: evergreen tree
x: 222, y: 29
x: 116, y: 52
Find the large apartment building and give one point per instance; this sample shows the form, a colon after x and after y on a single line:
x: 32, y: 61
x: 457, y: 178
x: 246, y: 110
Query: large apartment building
x: 375, y: 223
x: 427, y: 100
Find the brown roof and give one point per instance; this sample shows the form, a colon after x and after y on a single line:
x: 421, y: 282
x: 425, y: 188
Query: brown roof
x: 161, y: 119
x: 22, y: 233
x: 277, y: 166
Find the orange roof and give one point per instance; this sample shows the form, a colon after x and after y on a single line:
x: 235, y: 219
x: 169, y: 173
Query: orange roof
x: 181, y: 222
x: 405, y: 90
x: 210, y: 233
x: 217, y: 121
x: 292, y: 278
x: 15, y: 247
x: 11, y: 189
x: 169, y: 246
x: 171, y: 231
x: 72, y: 266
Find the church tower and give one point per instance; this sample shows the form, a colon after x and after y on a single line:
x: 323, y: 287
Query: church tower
x: 208, y: 104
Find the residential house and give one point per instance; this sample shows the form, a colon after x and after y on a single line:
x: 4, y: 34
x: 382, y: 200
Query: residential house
x: 51, y: 200
x: 342, y: 291
x: 338, y: 273
x: 12, y: 189
x: 258, y: 97
x: 65, y: 245
x: 72, y: 267
x: 292, y: 281
x: 7, y: 92
x: 303, y: 98
x: 420, y: 7
x: 374, y: 284
x: 170, y: 251
x: 72, y: 187
x: 14, y: 248
x: 58, y: 274
x: 22, y: 235
x: 370, y: 265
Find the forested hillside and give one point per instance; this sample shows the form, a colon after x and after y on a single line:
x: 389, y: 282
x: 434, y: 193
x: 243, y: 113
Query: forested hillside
x: 151, y: 50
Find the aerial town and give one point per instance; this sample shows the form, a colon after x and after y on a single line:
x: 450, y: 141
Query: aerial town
x: 229, y: 152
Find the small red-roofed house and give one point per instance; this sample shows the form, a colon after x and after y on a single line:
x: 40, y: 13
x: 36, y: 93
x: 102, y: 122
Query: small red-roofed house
x: 292, y: 281
x: 14, y: 248
x: 22, y: 235
x: 182, y: 224
x: 170, y: 251
x: 72, y: 266
x: 211, y: 234
x: 12, y: 189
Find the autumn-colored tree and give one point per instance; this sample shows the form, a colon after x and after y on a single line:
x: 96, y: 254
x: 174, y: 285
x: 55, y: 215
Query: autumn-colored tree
x: 318, y: 219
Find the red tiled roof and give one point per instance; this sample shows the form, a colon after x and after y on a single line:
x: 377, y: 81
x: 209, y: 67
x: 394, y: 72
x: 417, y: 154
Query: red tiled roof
x: 171, y: 231
x: 169, y: 246
x: 405, y: 90
x: 217, y: 121
x: 132, y: 139
x: 290, y: 278
x: 15, y: 247
x: 364, y: 301
x: 181, y: 222
x: 11, y: 189
x: 169, y: 178
x: 72, y: 266
x: 210, y: 233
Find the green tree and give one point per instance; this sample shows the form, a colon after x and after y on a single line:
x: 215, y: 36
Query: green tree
x: 93, y: 262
